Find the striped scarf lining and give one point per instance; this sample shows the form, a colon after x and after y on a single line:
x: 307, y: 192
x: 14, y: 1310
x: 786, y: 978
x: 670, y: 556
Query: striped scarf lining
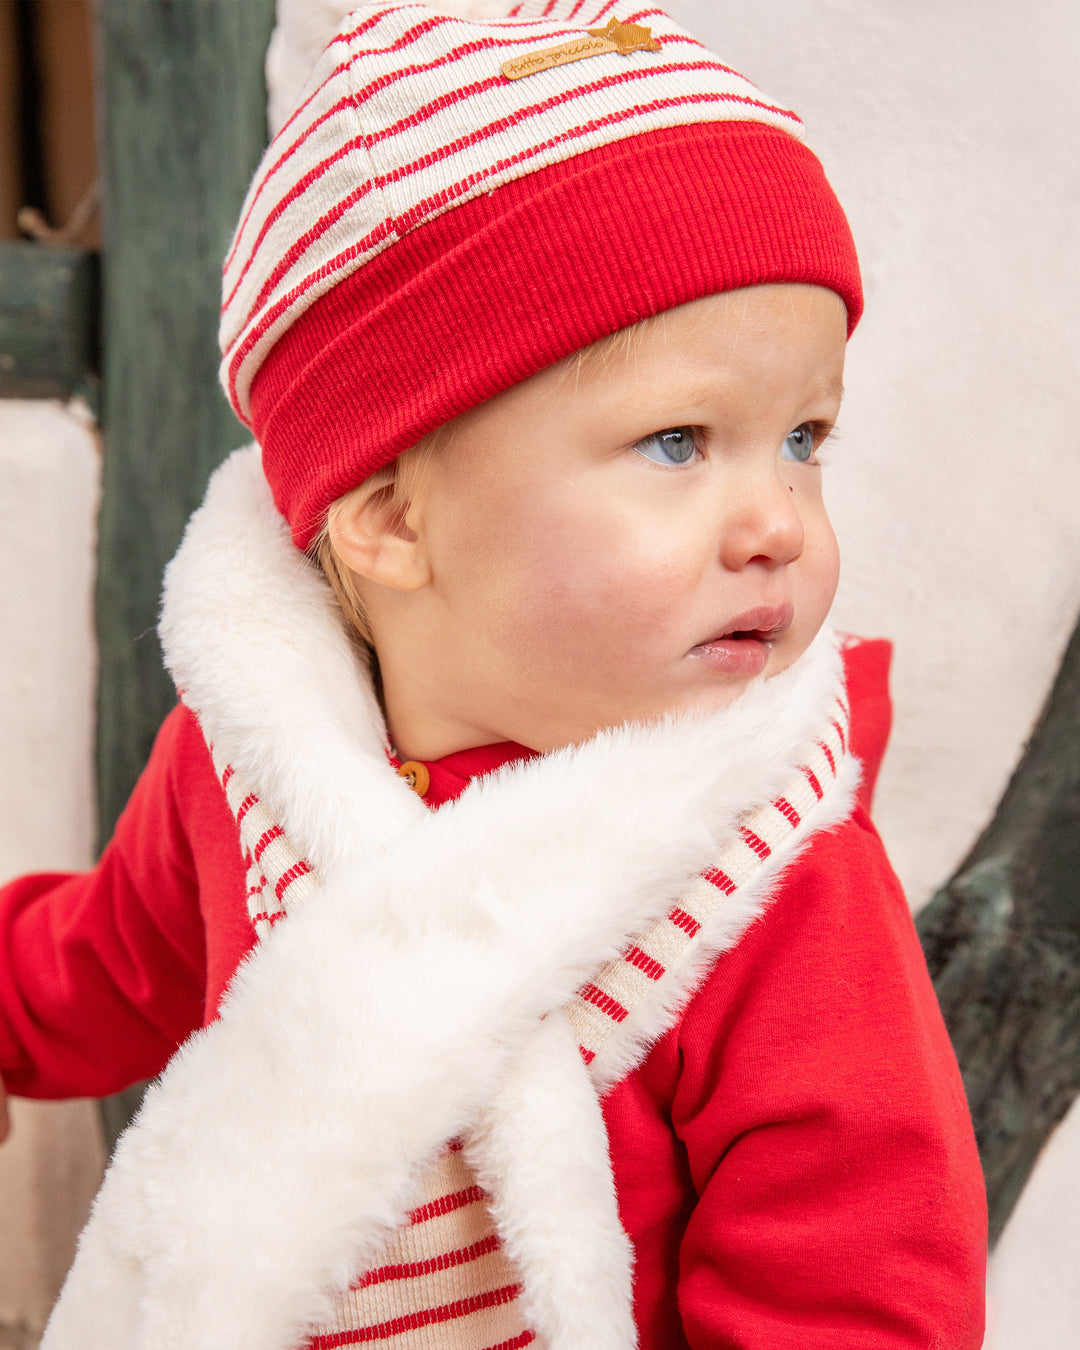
x: 444, y: 1281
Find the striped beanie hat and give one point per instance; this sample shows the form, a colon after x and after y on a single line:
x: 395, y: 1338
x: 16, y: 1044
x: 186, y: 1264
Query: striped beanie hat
x: 456, y: 204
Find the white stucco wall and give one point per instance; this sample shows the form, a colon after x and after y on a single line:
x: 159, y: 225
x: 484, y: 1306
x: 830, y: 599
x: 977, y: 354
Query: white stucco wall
x: 1033, y: 1292
x: 49, y: 470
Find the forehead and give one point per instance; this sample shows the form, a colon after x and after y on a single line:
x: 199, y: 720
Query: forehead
x: 730, y: 314
x: 766, y: 336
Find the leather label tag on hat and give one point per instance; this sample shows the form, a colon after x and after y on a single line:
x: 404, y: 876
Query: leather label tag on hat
x: 623, y: 38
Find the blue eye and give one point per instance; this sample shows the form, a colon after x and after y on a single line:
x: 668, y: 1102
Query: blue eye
x: 676, y: 445
x: 800, y: 444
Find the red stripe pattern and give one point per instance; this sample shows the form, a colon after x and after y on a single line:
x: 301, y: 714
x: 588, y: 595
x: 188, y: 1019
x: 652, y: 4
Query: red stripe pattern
x: 294, y: 873
x: 609, y: 1006
x: 396, y: 1326
x: 444, y: 1261
x: 348, y: 174
x: 652, y: 968
x: 607, y: 1002
x: 721, y: 880
x: 446, y: 1204
x: 686, y: 922
x: 278, y: 879
x: 756, y: 842
x: 267, y: 837
x: 443, y: 1281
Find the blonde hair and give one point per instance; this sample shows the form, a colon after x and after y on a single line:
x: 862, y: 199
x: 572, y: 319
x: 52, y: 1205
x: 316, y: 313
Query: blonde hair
x: 601, y: 354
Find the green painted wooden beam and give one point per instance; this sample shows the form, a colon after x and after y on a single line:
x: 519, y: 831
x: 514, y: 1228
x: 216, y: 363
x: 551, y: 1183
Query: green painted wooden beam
x: 49, y: 321
x: 182, y: 124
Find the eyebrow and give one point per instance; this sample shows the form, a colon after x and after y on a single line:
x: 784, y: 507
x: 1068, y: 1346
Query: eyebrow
x: 701, y: 390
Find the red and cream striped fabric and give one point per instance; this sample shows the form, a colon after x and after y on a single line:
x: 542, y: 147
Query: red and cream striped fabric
x: 604, y: 1005
x: 277, y: 877
x: 444, y: 1281
x: 408, y: 114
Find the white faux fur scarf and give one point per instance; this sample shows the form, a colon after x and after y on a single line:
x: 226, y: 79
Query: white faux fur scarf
x: 401, y: 1004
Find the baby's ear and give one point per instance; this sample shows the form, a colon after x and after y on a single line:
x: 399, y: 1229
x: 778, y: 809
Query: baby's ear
x: 369, y: 531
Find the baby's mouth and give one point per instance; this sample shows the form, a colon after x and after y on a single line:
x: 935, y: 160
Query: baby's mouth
x: 742, y: 648
x: 764, y: 623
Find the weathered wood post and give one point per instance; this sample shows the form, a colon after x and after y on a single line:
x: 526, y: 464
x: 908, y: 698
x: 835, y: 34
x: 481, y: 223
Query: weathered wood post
x: 183, y: 122
x: 182, y: 101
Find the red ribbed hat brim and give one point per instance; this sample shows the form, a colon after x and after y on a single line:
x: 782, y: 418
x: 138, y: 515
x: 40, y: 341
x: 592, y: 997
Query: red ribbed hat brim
x: 485, y: 295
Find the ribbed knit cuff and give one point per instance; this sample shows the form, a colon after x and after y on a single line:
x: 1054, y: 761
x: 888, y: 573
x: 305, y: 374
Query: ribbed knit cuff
x: 483, y: 296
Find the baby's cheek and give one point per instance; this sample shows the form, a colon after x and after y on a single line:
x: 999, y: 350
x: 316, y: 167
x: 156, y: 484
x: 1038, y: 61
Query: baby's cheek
x: 823, y: 567
x: 594, y: 607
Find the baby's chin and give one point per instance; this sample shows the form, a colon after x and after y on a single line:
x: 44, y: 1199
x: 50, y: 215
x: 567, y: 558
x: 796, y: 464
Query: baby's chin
x: 714, y: 695
x: 710, y: 689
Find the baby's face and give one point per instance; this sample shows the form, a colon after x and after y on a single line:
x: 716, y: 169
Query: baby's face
x: 639, y: 535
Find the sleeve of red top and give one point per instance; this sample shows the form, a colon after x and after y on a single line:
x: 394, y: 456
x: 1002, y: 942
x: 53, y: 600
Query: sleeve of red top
x: 866, y: 672
x: 104, y: 972
x: 840, y: 1199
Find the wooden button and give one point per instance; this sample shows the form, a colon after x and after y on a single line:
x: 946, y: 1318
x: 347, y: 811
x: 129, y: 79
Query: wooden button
x: 416, y: 775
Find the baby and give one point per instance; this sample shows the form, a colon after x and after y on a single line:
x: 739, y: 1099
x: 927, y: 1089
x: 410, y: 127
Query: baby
x: 509, y: 847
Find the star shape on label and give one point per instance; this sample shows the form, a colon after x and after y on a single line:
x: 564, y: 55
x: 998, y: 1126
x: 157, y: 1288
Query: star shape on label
x: 627, y: 37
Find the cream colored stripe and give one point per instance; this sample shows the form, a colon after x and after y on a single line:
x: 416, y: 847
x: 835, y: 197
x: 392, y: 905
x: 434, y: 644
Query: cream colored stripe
x: 236, y: 790
x: 449, y: 1232
x: 703, y: 899
x: 623, y: 982
x: 818, y: 764
x: 591, y: 1026
x: 771, y: 826
x: 323, y: 141
x: 431, y: 1239
x: 666, y: 943
x: 378, y: 1303
x: 257, y: 820
x: 626, y: 983
x: 669, y: 944
x: 449, y: 1174
x: 461, y: 1227
x: 802, y: 796
x: 277, y: 857
x: 476, y: 1331
x: 737, y: 861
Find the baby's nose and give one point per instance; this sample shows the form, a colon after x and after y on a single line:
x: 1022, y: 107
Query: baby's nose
x: 763, y: 522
